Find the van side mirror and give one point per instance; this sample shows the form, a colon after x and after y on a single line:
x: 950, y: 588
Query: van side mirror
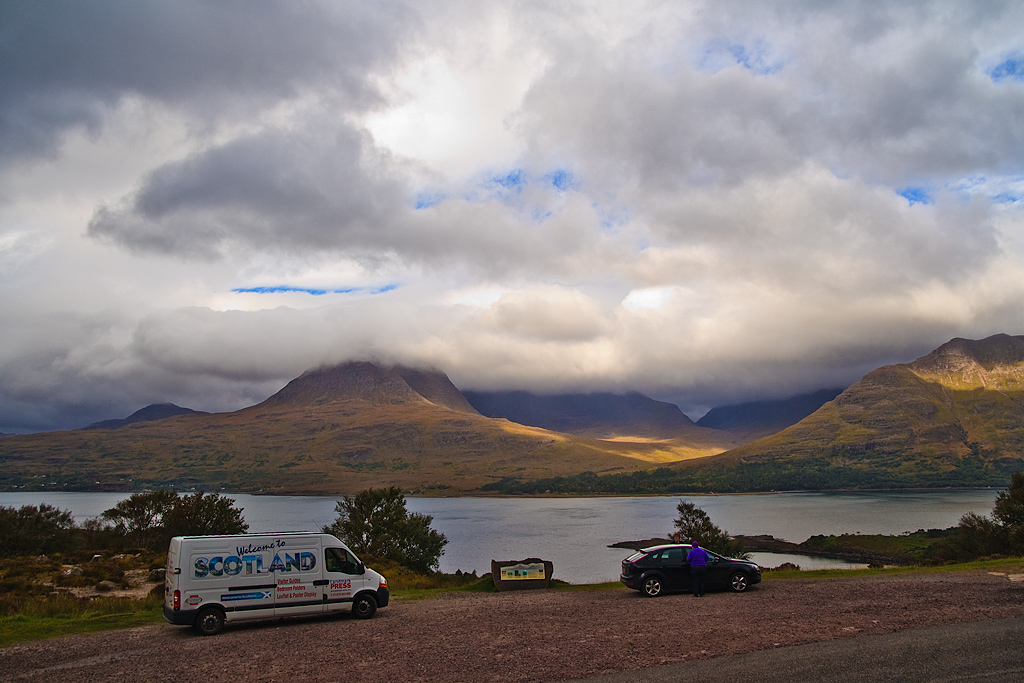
x: 361, y: 568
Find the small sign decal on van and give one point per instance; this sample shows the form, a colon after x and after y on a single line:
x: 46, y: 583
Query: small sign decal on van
x: 254, y: 595
x: 193, y: 600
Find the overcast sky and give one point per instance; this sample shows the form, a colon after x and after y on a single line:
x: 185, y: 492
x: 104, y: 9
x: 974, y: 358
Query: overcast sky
x: 708, y: 202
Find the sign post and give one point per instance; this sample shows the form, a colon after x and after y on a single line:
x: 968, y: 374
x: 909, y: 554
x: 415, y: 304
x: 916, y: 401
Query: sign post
x: 521, y: 575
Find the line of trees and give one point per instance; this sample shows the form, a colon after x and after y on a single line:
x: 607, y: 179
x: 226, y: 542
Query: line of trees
x: 143, y: 520
x: 375, y: 523
x: 874, y: 470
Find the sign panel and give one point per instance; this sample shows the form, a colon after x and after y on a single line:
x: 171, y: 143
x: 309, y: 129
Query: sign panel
x: 523, y: 572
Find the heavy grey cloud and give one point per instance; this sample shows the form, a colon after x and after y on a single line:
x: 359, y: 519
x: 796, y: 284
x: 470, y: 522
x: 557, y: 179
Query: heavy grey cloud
x: 66, y: 63
x: 266, y: 191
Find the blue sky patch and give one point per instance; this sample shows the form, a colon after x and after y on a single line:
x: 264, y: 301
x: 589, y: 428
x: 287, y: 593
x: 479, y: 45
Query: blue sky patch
x: 754, y: 58
x: 562, y: 180
x: 281, y: 289
x: 1012, y: 68
x: 427, y: 199
x: 514, y: 181
x: 916, y: 195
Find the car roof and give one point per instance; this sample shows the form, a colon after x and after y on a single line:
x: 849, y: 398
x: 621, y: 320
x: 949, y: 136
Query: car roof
x: 667, y: 545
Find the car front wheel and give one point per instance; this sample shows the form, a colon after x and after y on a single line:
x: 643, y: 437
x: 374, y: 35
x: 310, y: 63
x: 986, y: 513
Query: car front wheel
x: 652, y: 586
x: 738, y: 582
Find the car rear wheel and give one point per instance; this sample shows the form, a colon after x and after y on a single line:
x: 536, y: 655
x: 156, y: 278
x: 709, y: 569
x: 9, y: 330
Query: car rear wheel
x: 652, y: 586
x: 209, y: 621
x: 738, y: 582
x: 364, y: 606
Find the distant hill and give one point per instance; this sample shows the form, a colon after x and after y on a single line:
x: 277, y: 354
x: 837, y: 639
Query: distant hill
x: 954, y: 417
x: 600, y: 415
x: 333, y: 430
x: 762, y: 418
x: 156, y: 411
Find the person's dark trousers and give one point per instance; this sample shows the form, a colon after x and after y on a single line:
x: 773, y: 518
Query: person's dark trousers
x: 698, y: 576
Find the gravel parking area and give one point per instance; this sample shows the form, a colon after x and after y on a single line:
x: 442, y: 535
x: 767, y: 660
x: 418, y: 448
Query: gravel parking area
x: 525, y: 636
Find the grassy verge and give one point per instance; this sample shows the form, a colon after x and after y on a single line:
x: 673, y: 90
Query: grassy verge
x: 1013, y: 565
x: 24, y: 618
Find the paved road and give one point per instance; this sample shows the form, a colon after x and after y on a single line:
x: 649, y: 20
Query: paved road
x: 988, y: 651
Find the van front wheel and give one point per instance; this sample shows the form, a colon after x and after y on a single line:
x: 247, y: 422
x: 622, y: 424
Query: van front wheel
x: 209, y: 621
x: 364, y: 606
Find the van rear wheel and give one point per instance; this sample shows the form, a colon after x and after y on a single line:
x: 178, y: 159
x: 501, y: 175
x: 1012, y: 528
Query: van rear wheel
x: 209, y: 621
x: 364, y: 606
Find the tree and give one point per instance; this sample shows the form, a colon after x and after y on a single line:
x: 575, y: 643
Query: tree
x: 1009, y: 507
x: 32, y: 530
x: 200, y: 514
x: 694, y: 525
x: 375, y: 522
x: 140, y: 517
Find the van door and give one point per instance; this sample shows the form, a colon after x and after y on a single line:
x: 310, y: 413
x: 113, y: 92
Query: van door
x: 296, y: 570
x: 216, y: 576
x: 343, y: 578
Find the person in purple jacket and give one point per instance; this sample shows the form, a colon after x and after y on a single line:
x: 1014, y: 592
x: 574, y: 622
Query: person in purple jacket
x: 698, y: 560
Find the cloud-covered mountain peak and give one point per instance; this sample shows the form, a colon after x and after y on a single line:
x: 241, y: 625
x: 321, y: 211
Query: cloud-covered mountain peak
x: 374, y: 383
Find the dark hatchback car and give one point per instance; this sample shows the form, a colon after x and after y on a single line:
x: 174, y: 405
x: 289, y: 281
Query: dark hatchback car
x: 663, y: 569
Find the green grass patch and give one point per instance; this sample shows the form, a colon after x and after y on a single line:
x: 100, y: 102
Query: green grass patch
x: 24, y: 618
x: 908, y: 548
x: 1012, y: 565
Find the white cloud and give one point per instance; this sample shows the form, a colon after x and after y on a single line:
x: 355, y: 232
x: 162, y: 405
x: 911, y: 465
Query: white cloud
x: 653, y: 298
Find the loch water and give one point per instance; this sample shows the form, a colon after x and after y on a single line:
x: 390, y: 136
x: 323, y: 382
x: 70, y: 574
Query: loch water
x: 574, y: 532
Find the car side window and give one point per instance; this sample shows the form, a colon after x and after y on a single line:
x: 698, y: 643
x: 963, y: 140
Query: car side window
x: 340, y: 560
x: 674, y: 556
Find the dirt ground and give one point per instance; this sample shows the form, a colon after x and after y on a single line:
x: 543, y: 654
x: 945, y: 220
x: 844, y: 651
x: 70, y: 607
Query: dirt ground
x: 525, y: 636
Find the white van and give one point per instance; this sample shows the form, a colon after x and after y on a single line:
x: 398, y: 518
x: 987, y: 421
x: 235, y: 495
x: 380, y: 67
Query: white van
x: 214, y: 579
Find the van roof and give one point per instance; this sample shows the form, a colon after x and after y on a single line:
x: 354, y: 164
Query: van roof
x: 261, y: 533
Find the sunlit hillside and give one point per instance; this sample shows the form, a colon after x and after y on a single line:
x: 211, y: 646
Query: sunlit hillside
x: 333, y: 430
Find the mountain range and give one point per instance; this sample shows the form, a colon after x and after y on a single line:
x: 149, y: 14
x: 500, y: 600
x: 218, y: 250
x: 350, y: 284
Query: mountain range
x: 952, y: 417
x: 332, y: 430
